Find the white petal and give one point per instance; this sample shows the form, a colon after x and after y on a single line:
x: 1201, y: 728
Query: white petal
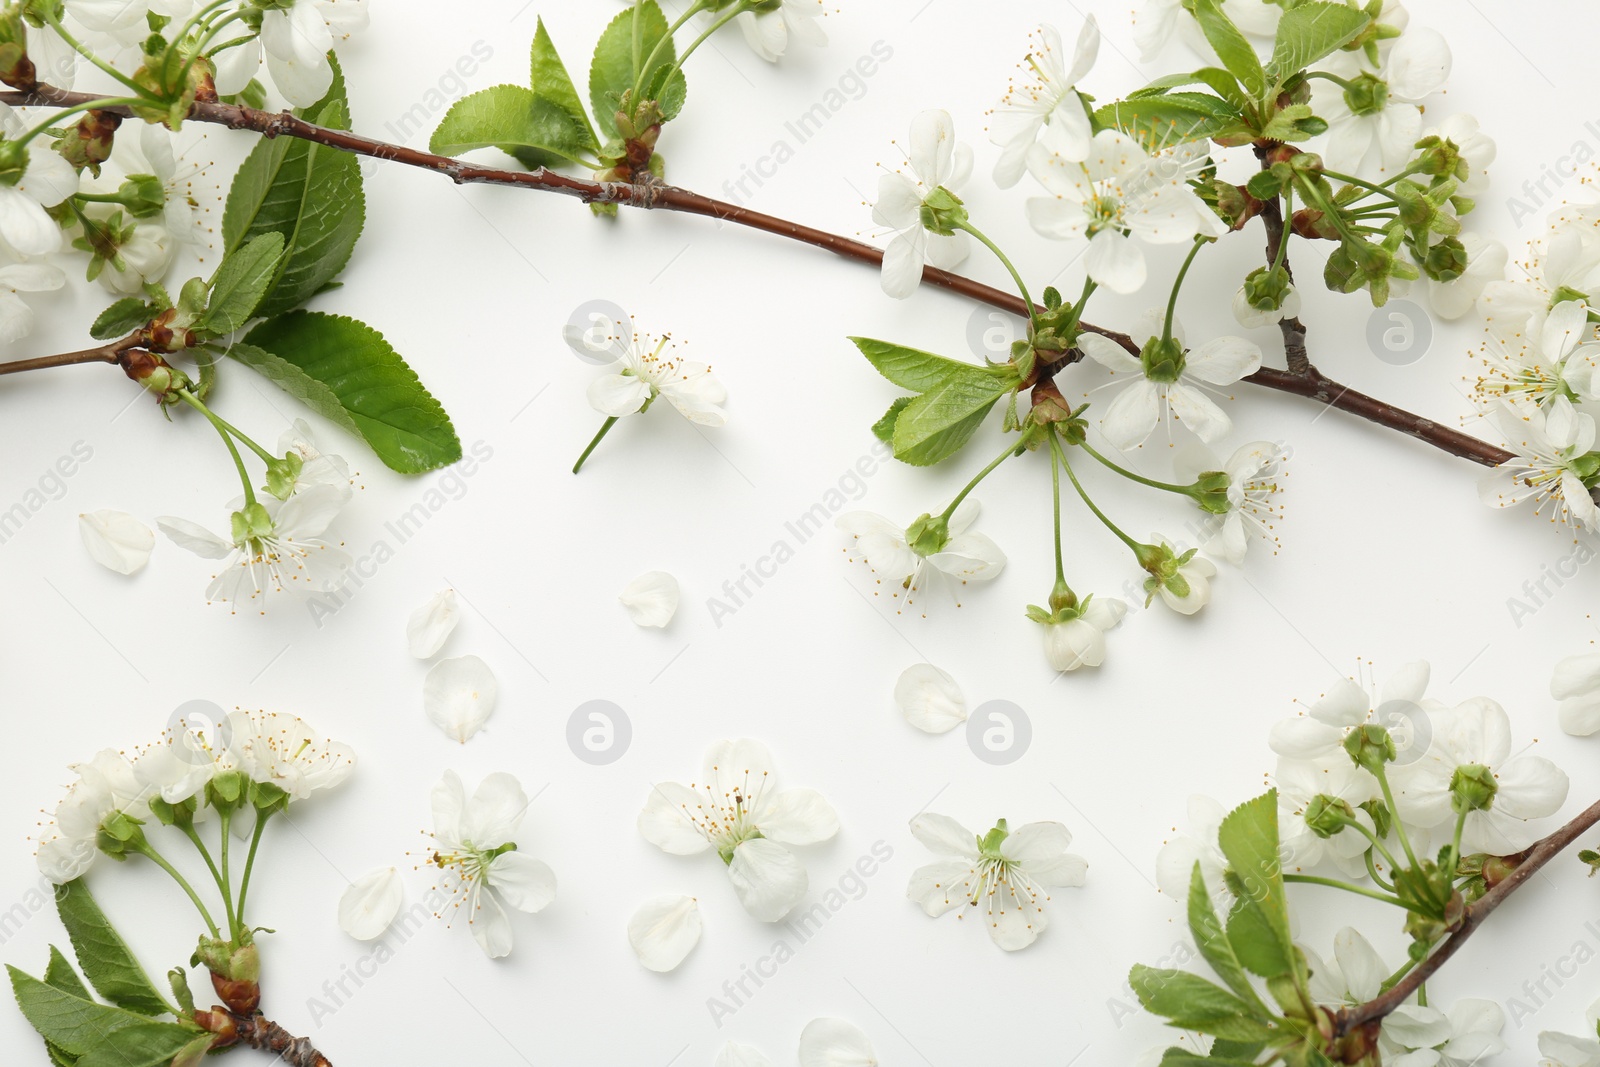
x: 1116, y: 262
x: 664, y: 931
x: 943, y: 834
x: 25, y: 225
x: 930, y: 699
x: 835, y: 1043
x: 651, y: 599
x: 369, y: 906
x: 195, y: 538
x: 494, y: 814
x: 1224, y: 360
x: 523, y: 882
x: 932, y: 146
x: 432, y: 624
x: 1109, y: 354
x: 903, y: 262
x: 669, y: 819
x: 491, y: 927
x: 459, y: 696
x: 1197, y: 411
x: 1133, y: 415
x: 796, y: 817
x: 767, y: 878
x: 116, y: 540
x: 940, y: 886
x: 1576, y: 676
x: 617, y: 395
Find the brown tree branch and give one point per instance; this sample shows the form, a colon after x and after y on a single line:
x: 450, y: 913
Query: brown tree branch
x: 103, y: 354
x: 1313, y: 385
x: 258, y: 1032
x: 1540, y: 854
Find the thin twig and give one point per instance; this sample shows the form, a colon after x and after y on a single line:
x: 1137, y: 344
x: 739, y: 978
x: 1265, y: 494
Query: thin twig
x: 103, y: 354
x: 1540, y: 854
x: 1320, y: 388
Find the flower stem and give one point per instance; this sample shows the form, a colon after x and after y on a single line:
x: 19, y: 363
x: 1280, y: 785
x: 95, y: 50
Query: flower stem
x: 648, y: 65
x: 605, y: 428
x: 1334, y: 883
x: 146, y: 849
x: 218, y: 876
x: 1001, y: 458
x: 1182, y: 490
x: 1055, y: 494
x: 61, y: 31
x: 1177, y: 284
x: 1113, y: 527
x: 1359, y: 183
x: 1016, y: 276
x: 227, y: 879
x: 227, y: 439
x: 249, y: 865
x: 1399, y: 827
x: 90, y: 105
x: 734, y: 12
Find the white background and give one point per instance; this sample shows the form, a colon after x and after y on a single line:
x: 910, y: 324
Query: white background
x: 1387, y: 556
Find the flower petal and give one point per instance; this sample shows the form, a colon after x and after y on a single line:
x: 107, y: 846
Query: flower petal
x: 369, y: 906
x: 835, y: 1043
x: 943, y: 834
x: 664, y: 931
x: 432, y: 624
x: 523, y: 882
x: 930, y: 699
x: 768, y: 878
x: 459, y: 695
x: 796, y: 817
x: 651, y: 599
x: 670, y: 817
x: 116, y: 540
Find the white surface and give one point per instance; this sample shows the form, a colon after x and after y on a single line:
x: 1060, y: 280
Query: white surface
x: 1388, y: 556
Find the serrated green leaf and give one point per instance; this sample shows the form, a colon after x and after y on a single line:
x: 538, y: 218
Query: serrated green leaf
x: 617, y: 63
x: 241, y: 282
x: 1212, y: 941
x: 1173, y: 118
x: 120, y: 319
x: 1216, y: 79
x: 149, y: 1045
x: 1311, y: 31
x: 106, y: 960
x: 1248, y: 837
x: 1179, y: 995
x: 345, y: 370
x: 552, y: 82
x: 1257, y: 943
x: 60, y: 974
x: 516, y: 121
x: 883, y: 429
x: 310, y: 194
x: 70, y: 1023
x: 936, y: 424
x: 1231, y: 46
x: 912, y: 369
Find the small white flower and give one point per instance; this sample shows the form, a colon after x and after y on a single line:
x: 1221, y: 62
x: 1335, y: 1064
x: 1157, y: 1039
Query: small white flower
x: 46, y: 181
x: 369, y: 906
x: 187, y: 758
x: 1301, y: 785
x: 431, y: 625
x: 651, y: 599
x: 1486, y: 262
x: 1049, y: 96
x: 316, y: 467
x: 1078, y: 637
x: 475, y: 849
x: 1576, y: 684
x: 298, y: 39
x: 640, y: 373
x: 282, y: 551
x: 1253, y: 318
x: 1401, y: 706
x: 738, y: 811
x: 141, y: 259
x: 1564, y: 266
x: 962, y: 556
x: 1009, y: 874
x: 1550, y: 444
x: 1475, y: 738
x: 1380, y: 117
x: 459, y: 695
x: 1175, y: 862
x: 1560, y: 359
x: 1183, y: 382
x: 1477, y: 149
x: 930, y: 699
x: 664, y: 931
x: 283, y: 750
x: 939, y: 167
x: 106, y: 786
x: 116, y: 540
x: 1355, y: 974
x: 1116, y: 197
x: 1188, y: 589
x: 16, y: 315
x: 835, y: 1043
x: 1466, y: 1036
x: 1563, y: 1050
x: 769, y: 31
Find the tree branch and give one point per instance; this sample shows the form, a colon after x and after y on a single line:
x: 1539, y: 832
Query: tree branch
x: 1540, y: 854
x: 1310, y: 384
x: 103, y: 354
x: 259, y: 1032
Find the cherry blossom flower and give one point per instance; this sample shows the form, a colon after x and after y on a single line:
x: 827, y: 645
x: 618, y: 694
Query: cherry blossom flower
x: 639, y: 373
x: 1076, y: 637
x: 738, y: 811
x: 1049, y: 96
x: 1378, y: 115
x: 939, y: 166
x: 1554, y: 465
x: 1559, y: 359
x: 1355, y: 974
x: 1400, y: 705
x: 481, y: 871
x: 1465, y: 1036
x: 769, y: 31
x: 45, y: 180
x: 1007, y: 873
x: 910, y: 562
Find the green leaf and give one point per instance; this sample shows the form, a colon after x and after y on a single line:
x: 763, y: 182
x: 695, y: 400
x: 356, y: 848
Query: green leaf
x: 516, y: 121
x: 1248, y: 837
x: 616, y: 65
x: 150, y: 1045
x: 60, y: 974
x: 912, y: 369
x: 345, y: 370
x: 310, y: 194
x: 241, y: 282
x: 1257, y: 943
x: 936, y: 424
x: 120, y: 319
x: 1173, y: 118
x: 1231, y: 46
x: 106, y: 960
x: 553, y: 84
x: 1214, y: 947
x: 1216, y: 79
x: 883, y: 429
x: 66, y: 1021
x: 1174, y: 994
x: 1182, y: 1057
x: 1311, y: 31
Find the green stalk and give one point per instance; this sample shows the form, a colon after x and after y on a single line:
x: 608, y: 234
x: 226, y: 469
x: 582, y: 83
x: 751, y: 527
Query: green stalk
x: 146, y: 849
x: 1016, y: 276
x: 1055, y: 495
x: 76, y: 46
x: 218, y: 876
x: 1182, y: 490
x: 1130, y: 542
x: 227, y: 879
x: 733, y: 13
x: 648, y: 65
x: 250, y: 864
x: 227, y: 439
x: 1001, y: 458
x: 1177, y: 284
x: 605, y: 428
x: 1333, y: 883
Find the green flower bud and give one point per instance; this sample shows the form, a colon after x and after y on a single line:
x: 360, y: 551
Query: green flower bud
x: 1446, y: 261
x: 282, y: 475
x: 1062, y: 598
x: 989, y: 844
x: 1162, y: 359
x: 1472, y: 788
x: 1327, y: 815
x: 13, y: 161
x: 1440, y: 156
x: 1266, y: 288
x: 1370, y: 746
